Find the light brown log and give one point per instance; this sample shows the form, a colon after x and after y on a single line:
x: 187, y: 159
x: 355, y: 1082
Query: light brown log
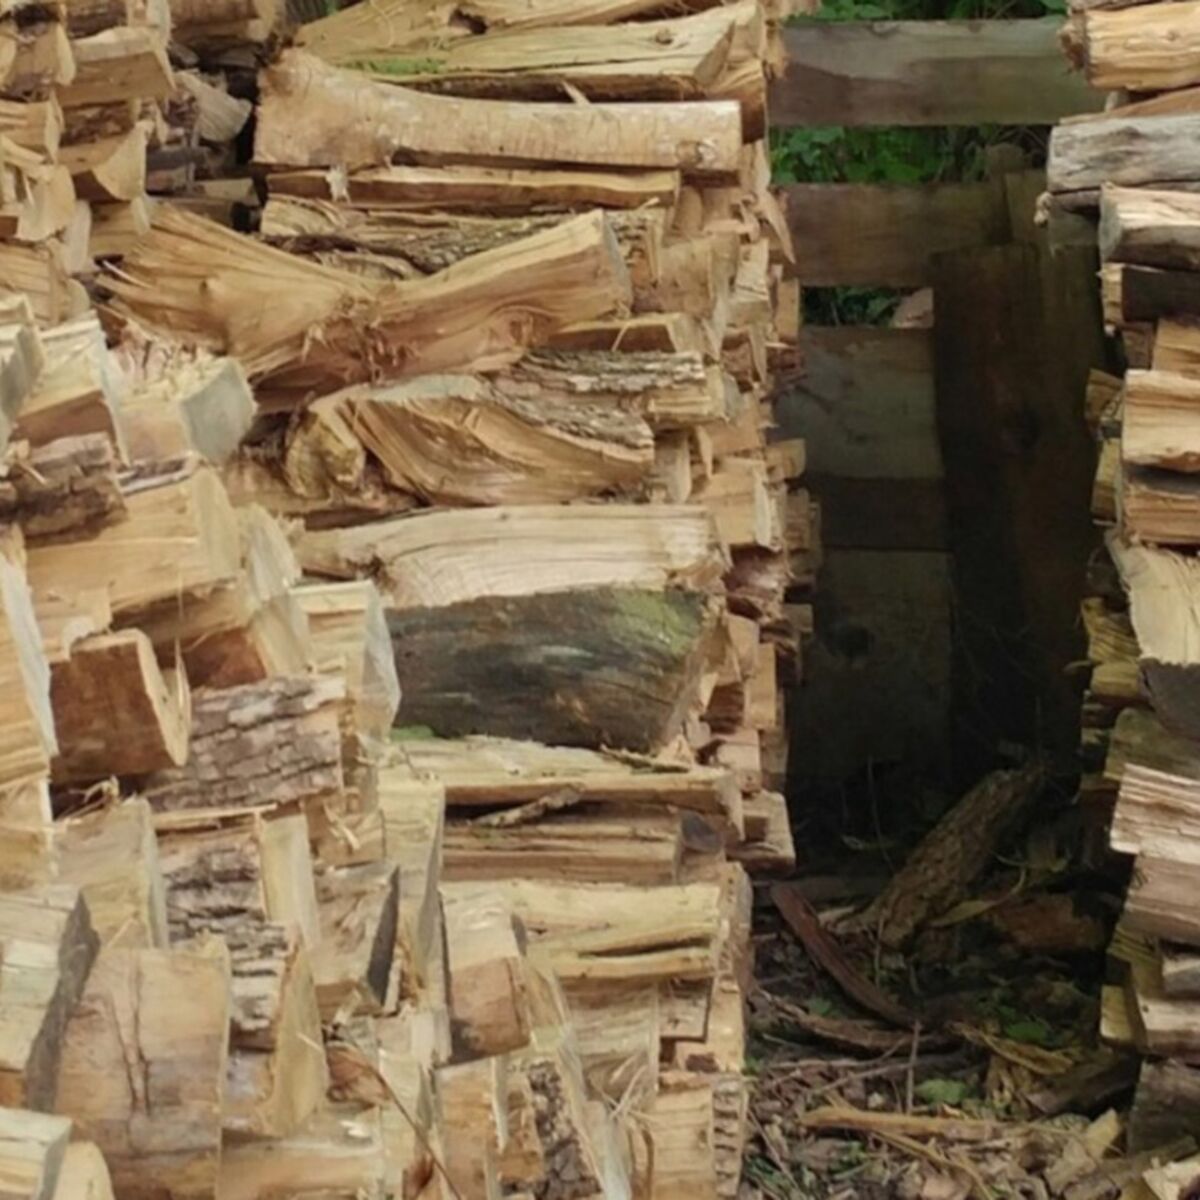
x: 65, y: 488
x: 33, y: 1148
x: 117, y: 65
x: 37, y: 272
x: 208, y: 26
x: 1151, y: 228
x: 22, y: 359
x: 256, y: 746
x: 38, y: 198
x: 474, y: 1099
x: 418, y: 561
x: 488, y: 1002
x: 48, y: 947
x: 116, y: 712
x: 352, y: 963
x: 369, y: 124
x: 480, y: 313
x: 221, y: 116
x: 1161, y: 413
x: 223, y: 871
x: 111, y: 855
x: 38, y: 61
x: 34, y: 125
x: 117, y: 228
x: 110, y: 169
x: 277, y: 1072
x: 1147, y: 48
x: 143, y: 1068
x: 179, y: 541
x: 84, y: 1174
x: 27, y: 740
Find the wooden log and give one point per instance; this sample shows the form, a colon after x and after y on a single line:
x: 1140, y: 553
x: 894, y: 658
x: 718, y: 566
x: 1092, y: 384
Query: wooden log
x: 417, y: 561
x: 111, y: 855
x: 482, y: 666
x: 63, y: 489
x: 34, y: 1153
x: 489, y: 1005
x: 39, y: 199
x: 209, y: 28
x: 1127, y: 151
x: 178, y: 541
x: 460, y: 440
x: 352, y: 962
x: 1177, y: 346
x: 34, y: 125
x: 149, y: 1098
x: 458, y: 319
x: 379, y: 121
x: 22, y: 359
x: 224, y: 871
x: 1150, y: 228
x: 1159, y: 902
x: 1149, y: 48
x: 1160, y: 414
x: 110, y: 169
x: 204, y: 407
x: 925, y: 73
x: 84, y: 1174
x: 257, y: 746
x: 277, y: 1071
x: 486, y: 189
x: 116, y: 228
x: 48, y: 946
x: 474, y: 1123
x: 116, y: 65
x: 115, y: 711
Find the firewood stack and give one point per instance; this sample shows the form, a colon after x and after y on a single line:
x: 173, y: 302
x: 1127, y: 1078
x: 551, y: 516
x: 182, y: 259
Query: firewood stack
x: 1135, y: 167
x: 395, y: 603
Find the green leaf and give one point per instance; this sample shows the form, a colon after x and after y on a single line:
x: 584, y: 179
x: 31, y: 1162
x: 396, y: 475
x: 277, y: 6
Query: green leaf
x: 942, y: 1091
x: 819, y: 1006
x: 1033, y: 1031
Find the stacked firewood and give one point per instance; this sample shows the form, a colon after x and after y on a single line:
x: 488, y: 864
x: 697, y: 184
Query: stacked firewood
x: 396, y: 601
x: 1135, y: 166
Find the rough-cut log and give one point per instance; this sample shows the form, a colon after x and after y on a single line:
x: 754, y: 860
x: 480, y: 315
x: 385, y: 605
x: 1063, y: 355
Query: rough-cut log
x: 1161, y: 901
x: 1161, y: 417
x: 299, y: 325
x: 1150, y: 228
x: 111, y: 855
x: 206, y: 26
x: 39, y: 273
x: 84, y: 1174
x: 223, y: 871
x: 38, y: 196
x: 562, y: 665
x: 33, y: 125
x: 350, y: 641
x: 117, y: 228
x: 483, y: 189
x: 66, y: 488
x: 368, y: 124
x: 450, y: 556
x: 115, y: 711
x: 353, y: 960
x: 111, y: 169
x: 33, y: 1148
x: 178, y: 541
x: 48, y: 946
x: 205, y: 407
x: 27, y: 738
x: 118, y: 65
x: 277, y: 1072
x: 1129, y: 151
x: 22, y: 359
x: 143, y: 1068
x: 1147, y: 48
x: 489, y: 1006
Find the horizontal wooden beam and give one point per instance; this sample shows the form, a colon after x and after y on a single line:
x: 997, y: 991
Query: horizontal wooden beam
x: 884, y: 235
x: 928, y: 73
x: 865, y: 404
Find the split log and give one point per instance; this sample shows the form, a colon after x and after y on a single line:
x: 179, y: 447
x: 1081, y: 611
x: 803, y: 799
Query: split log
x: 454, y: 439
x: 463, y: 318
x: 110, y: 169
x: 369, y: 124
x: 178, y: 541
x: 39, y: 273
x: 148, y: 1097
x: 111, y: 855
x: 488, y: 1002
x: 39, y: 199
x: 223, y: 872
x: 62, y: 489
x: 22, y: 360
x: 1127, y: 151
x: 937, y: 874
x: 117, y: 228
x: 84, y: 1174
x: 1150, y: 228
x: 1148, y: 48
x: 115, y: 711
x: 28, y: 742
x: 33, y: 125
x: 277, y: 1072
x: 1161, y: 413
x: 77, y: 392
x: 204, y: 407
x: 505, y: 665
x: 211, y: 27
x: 117, y: 65
x: 1135, y: 294
x: 1177, y: 346
x: 418, y: 561
x: 34, y: 1153
x: 352, y: 963
x: 220, y: 117
x: 487, y: 189
x: 256, y: 746
x: 474, y: 1099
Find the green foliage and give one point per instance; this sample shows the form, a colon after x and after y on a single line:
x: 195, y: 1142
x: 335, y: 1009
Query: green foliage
x: 396, y: 66
x: 942, y: 1091
x: 412, y: 733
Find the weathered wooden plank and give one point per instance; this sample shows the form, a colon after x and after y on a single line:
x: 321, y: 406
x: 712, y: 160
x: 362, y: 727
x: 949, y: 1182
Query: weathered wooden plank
x: 865, y: 405
x: 884, y: 235
x: 927, y: 73
x: 880, y: 514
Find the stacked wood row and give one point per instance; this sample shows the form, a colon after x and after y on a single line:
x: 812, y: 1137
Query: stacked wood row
x: 396, y: 601
x: 1135, y: 169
